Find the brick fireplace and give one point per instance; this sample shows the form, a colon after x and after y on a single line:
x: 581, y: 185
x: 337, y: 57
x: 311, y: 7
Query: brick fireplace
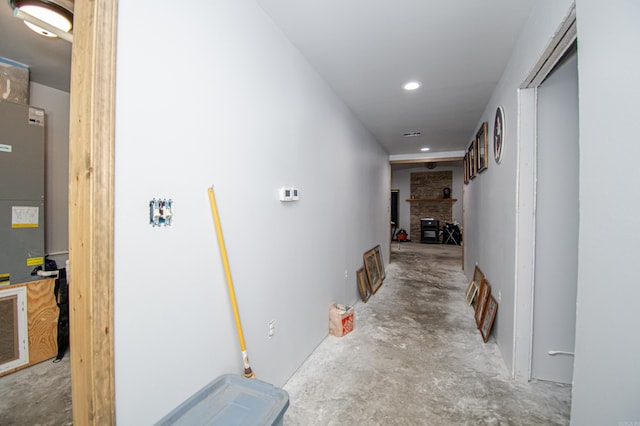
x: 427, y: 200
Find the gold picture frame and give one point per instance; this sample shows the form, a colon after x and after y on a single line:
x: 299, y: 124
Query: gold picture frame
x: 471, y: 293
x: 380, y: 260
x: 372, y: 268
x: 476, y: 279
x: 363, y: 284
x: 471, y: 160
x: 482, y: 146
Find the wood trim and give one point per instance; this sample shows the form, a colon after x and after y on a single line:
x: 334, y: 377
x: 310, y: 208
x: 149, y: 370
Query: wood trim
x: 91, y: 188
x: 390, y: 171
x: 426, y: 160
x: 562, y: 40
x: 433, y: 200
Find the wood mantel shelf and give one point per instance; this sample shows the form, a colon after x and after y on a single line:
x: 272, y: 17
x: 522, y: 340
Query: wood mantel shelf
x: 434, y: 200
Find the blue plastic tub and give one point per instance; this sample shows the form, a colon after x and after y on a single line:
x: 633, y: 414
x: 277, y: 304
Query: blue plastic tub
x: 231, y: 400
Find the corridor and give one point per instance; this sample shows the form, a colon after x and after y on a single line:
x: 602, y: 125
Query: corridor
x: 416, y: 358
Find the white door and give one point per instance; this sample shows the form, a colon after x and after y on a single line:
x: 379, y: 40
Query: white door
x: 556, y: 235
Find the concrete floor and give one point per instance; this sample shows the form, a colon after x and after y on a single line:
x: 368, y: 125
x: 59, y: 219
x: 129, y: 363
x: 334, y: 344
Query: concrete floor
x: 39, y: 395
x: 414, y: 358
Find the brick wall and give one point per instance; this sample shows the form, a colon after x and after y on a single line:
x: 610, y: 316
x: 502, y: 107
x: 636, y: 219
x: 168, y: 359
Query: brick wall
x: 429, y: 185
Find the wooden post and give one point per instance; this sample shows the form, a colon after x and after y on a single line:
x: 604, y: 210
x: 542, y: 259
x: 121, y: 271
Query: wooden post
x: 91, y: 187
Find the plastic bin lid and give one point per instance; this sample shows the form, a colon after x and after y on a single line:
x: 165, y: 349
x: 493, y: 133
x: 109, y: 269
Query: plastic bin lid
x: 231, y: 400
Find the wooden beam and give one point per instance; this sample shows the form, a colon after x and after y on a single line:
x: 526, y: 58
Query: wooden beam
x: 426, y: 160
x: 91, y: 187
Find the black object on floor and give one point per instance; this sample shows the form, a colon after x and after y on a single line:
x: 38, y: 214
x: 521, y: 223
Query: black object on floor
x: 429, y: 231
x: 451, y: 234
x: 61, y: 292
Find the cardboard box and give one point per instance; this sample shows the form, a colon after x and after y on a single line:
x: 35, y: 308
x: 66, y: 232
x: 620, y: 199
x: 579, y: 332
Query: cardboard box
x: 14, y: 81
x: 341, y: 319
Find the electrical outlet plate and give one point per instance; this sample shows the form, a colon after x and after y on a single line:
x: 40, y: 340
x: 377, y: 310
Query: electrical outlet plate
x: 161, y: 212
x: 272, y: 328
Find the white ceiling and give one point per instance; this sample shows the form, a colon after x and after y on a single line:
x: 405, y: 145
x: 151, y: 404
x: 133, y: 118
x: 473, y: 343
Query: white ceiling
x: 366, y: 50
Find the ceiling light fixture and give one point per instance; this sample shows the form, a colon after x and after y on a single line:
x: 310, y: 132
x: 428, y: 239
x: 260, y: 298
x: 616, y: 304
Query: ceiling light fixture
x: 44, y: 17
x: 411, y: 134
x: 411, y: 85
x: 425, y: 149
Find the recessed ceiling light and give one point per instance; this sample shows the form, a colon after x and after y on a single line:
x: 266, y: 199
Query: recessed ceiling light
x: 425, y: 149
x: 412, y: 85
x: 411, y: 134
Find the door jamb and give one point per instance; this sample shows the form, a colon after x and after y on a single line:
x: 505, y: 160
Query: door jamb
x: 91, y: 212
x: 561, y: 41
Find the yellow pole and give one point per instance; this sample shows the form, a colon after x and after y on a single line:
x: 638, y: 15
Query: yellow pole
x: 232, y: 294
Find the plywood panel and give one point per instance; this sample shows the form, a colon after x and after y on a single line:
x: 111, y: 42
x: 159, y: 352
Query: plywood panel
x: 42, y: 321
x: 42, y: 314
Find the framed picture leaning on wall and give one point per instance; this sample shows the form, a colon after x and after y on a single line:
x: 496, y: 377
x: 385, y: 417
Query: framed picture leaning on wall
x: 488, y: 318
x: 373, y: 270
x: 363, y: 284
x: 483, y: 295
x: 471, y: 293
x: 383, y: 274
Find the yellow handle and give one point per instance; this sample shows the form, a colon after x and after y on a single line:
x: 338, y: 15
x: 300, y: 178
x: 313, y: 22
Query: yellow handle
x: 227, y: 271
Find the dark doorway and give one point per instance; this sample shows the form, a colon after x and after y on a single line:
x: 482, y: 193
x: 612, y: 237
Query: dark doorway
x: 395, y: 193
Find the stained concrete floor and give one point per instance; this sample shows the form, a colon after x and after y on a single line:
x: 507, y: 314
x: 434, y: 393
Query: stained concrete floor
x: 414, y: 358
x: 39, y: 395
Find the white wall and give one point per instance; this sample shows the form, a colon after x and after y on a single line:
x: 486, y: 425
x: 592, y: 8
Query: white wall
x: 401, y: 180
x: 606, y: 386
x: 220, y: 97
x: 491, y: 198
x: 607, y: 335
x: 56, y: 105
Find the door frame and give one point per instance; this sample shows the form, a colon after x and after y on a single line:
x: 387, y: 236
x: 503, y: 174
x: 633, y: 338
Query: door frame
x: 91, y: 213
x: 561, y: 41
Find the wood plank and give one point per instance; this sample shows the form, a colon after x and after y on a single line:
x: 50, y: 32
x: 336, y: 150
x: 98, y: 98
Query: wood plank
x: 91, y: 156
x: 426, y: 160
x: 42, y: 317
x: 42, y: 321
x: 433, y: 200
